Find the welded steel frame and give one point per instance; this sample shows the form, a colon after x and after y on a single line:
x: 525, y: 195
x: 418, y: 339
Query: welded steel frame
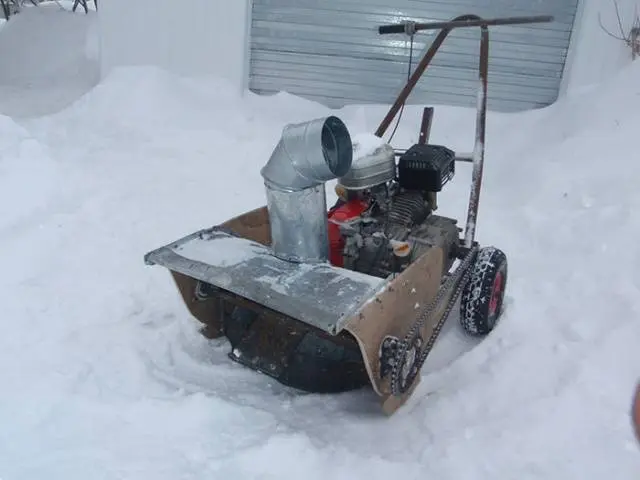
x: 481, y: 116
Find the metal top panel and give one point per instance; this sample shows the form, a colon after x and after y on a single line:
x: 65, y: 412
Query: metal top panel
x: 320, y: 295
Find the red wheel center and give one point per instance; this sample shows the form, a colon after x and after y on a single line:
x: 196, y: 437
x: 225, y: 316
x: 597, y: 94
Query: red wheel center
x: 635, y: 412
x: 496, y: 294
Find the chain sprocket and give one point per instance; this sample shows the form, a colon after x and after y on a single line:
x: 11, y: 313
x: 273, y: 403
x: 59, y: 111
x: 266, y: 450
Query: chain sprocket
x: 412, y: 340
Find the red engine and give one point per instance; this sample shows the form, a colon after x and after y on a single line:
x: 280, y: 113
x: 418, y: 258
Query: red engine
x: 345, y: 212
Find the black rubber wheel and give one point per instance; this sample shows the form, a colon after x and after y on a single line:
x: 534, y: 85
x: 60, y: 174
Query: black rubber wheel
x: 305, y: 360
x: 483, y: 295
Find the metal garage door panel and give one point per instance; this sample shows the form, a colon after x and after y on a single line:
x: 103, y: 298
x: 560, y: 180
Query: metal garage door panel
x: 331, y: 52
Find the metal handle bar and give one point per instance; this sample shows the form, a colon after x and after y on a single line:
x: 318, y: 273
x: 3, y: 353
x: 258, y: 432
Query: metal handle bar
x: 483, y: 73
x: 401, y: 27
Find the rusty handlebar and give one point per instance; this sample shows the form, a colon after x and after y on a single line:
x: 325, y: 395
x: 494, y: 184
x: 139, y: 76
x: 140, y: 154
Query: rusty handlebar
x: 478, y: 22
x: 446, y: 28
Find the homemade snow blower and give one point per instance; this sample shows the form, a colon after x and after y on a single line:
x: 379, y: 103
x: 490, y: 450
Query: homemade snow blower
x: 332, y: 301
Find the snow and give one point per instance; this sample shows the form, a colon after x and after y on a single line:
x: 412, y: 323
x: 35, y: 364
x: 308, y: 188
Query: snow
x: 365, y: 144
x: 594, y: 55
x: 105, y: 376
x: 52, y: 65
x: 175, y: 38
x: 227, y: 251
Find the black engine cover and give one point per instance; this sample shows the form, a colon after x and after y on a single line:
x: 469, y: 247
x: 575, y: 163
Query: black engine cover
x: 426, y: 168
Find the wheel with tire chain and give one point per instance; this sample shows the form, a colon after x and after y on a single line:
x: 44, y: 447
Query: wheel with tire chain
x: 409, y: 365
x: 483, y: 295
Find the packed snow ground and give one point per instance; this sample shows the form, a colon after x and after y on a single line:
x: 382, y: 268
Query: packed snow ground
x: 104, y: 374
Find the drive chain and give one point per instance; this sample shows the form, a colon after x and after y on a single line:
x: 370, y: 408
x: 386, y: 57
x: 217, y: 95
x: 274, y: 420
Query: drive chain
x: 455, y: 282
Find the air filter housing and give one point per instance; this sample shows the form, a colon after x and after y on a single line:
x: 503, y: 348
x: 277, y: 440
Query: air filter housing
x: 426, y: 168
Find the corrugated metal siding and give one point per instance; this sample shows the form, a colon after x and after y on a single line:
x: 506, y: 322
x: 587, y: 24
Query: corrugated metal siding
x: 330, y: 51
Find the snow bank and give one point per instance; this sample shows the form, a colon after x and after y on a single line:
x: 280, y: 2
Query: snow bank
x: 50, y: 56
x: 50, y: 53
x: 594, y: 55
x: 105, y: 375
x: 29, y: 177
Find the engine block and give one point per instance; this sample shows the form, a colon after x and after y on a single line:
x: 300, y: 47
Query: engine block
x: 386, y: 241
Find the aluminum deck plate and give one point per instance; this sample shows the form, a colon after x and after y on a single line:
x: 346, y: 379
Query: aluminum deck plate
x: 318, y: 294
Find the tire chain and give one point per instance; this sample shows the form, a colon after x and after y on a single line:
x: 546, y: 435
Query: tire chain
x: 476, y: 279
x: 455, y: 281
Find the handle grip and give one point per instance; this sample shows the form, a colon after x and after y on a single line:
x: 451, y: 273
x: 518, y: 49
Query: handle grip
x: 395, y: 28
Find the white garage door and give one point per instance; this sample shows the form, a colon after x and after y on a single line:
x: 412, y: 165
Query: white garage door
x: 331, y: 52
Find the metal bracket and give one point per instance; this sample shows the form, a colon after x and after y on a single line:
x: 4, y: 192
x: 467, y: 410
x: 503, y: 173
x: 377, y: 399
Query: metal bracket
x: 410, y: 28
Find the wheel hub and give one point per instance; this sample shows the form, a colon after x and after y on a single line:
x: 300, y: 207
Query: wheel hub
x: 496, y: 294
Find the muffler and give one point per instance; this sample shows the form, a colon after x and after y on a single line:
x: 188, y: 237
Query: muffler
x: 307, y: 155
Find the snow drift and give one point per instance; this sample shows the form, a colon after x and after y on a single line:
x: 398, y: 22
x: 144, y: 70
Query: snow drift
x: 28, y: 174
x: 49, y: 57
x: 59, y: 47
x: 104, y: 373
